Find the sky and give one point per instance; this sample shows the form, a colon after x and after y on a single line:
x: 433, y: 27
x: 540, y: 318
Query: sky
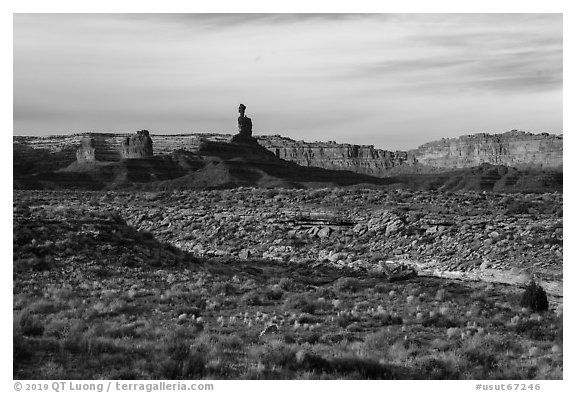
x: 395, y: 81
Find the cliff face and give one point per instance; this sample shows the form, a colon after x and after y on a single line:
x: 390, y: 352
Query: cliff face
x: 513, y: 148
x: 330, y: 155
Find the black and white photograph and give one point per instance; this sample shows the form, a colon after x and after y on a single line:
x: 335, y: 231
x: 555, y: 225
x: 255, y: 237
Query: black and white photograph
x: 287, y: 196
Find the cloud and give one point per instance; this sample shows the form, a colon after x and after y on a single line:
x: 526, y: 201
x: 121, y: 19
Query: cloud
x: 324, y: 76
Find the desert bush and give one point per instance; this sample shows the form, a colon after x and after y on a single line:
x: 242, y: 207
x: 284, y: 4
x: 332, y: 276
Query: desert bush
x: 286, y: 284
x: 379, y: 340
x: 21, y: 351
x: 440, y: 321
x: 251, y: 298
x: 361, y: 368
x: 382, y: 288
x: 308, y: 318
x: 535, y: 330
x: 387, y: 319
x: 347, y: 284
x: 433, y: 368
x: 223, y: 288
x: 57, y: 328
x: 344, y: 320
x: 182, y: 363
x: 30, y: 324
x: 301, y: 302
x: 481, y: 357
x: 332, y: 338
x: 273, y: 293
x: 534, y: 297
x: 309, y: 338
x: 43, y: 306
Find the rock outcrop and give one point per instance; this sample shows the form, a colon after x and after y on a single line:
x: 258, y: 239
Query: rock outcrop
x: 87, y: 150
x: 244, y: 128
x: 137, y: 146
x: 513, y: 148
x: 363, y: 159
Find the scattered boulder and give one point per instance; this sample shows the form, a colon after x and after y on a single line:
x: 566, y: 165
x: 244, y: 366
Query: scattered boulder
x: 244, y: 254
x: 270, y: 329
x: 324, y: 233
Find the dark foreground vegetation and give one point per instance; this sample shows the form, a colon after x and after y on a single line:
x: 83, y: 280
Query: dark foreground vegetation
x: 96, y: 297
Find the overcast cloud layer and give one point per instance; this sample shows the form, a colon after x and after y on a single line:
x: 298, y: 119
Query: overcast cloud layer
x: 395, y: 81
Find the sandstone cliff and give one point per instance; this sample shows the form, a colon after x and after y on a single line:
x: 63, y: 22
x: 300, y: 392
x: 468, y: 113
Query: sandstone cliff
x: 513, y: 148
x: 331, y: 155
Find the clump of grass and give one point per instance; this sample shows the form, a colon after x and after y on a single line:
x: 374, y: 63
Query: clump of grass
x: 535, y: 330
x: 30, y: 324
x: 347, y: 284
x: 379, y: 340
x: 252, y: 298
x: 301, y: 302
x: 21, y: 351
x: 440, y: 321
x: 287, y: 284
x: 436, y: 369
x: 224, y: 288
x: 345, y: 320
x: 274, y: 293
x: 534, y: 297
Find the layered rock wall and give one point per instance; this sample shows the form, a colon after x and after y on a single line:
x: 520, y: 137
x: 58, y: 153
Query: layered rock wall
x: 513, y: 148
x: 330, y: 155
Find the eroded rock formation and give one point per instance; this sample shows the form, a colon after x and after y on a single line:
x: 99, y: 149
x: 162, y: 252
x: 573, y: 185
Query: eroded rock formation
x: 87, y: 150
x: 244, y: 128
x: 331, y: 155
x: 513, y: 148
x: 137, y: 146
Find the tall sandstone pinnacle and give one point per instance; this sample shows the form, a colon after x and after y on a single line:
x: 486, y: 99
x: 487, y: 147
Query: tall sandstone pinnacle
x: 244, y: 128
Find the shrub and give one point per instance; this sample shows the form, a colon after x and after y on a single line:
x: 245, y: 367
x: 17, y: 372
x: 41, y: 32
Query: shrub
x: 309, y: 338
x: 535, y: 330
x: 30, y: 325
x: 344, y: 320
x: 534, y: 297
x: 481, y: 357
x: 286, y: 284
x: 360, y: 368
x: 300, y: 302
x: 252, y: 298
x: 273, y: 293
x: 347, y: 284
x: 379, y: 340
x: 223, y: 288
x: 434, y: 368
x: 440, y: 321
x: 20, y: 350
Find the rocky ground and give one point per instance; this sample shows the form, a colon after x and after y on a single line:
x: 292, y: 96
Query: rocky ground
x: 284, y: 283
x: 464, y: 232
